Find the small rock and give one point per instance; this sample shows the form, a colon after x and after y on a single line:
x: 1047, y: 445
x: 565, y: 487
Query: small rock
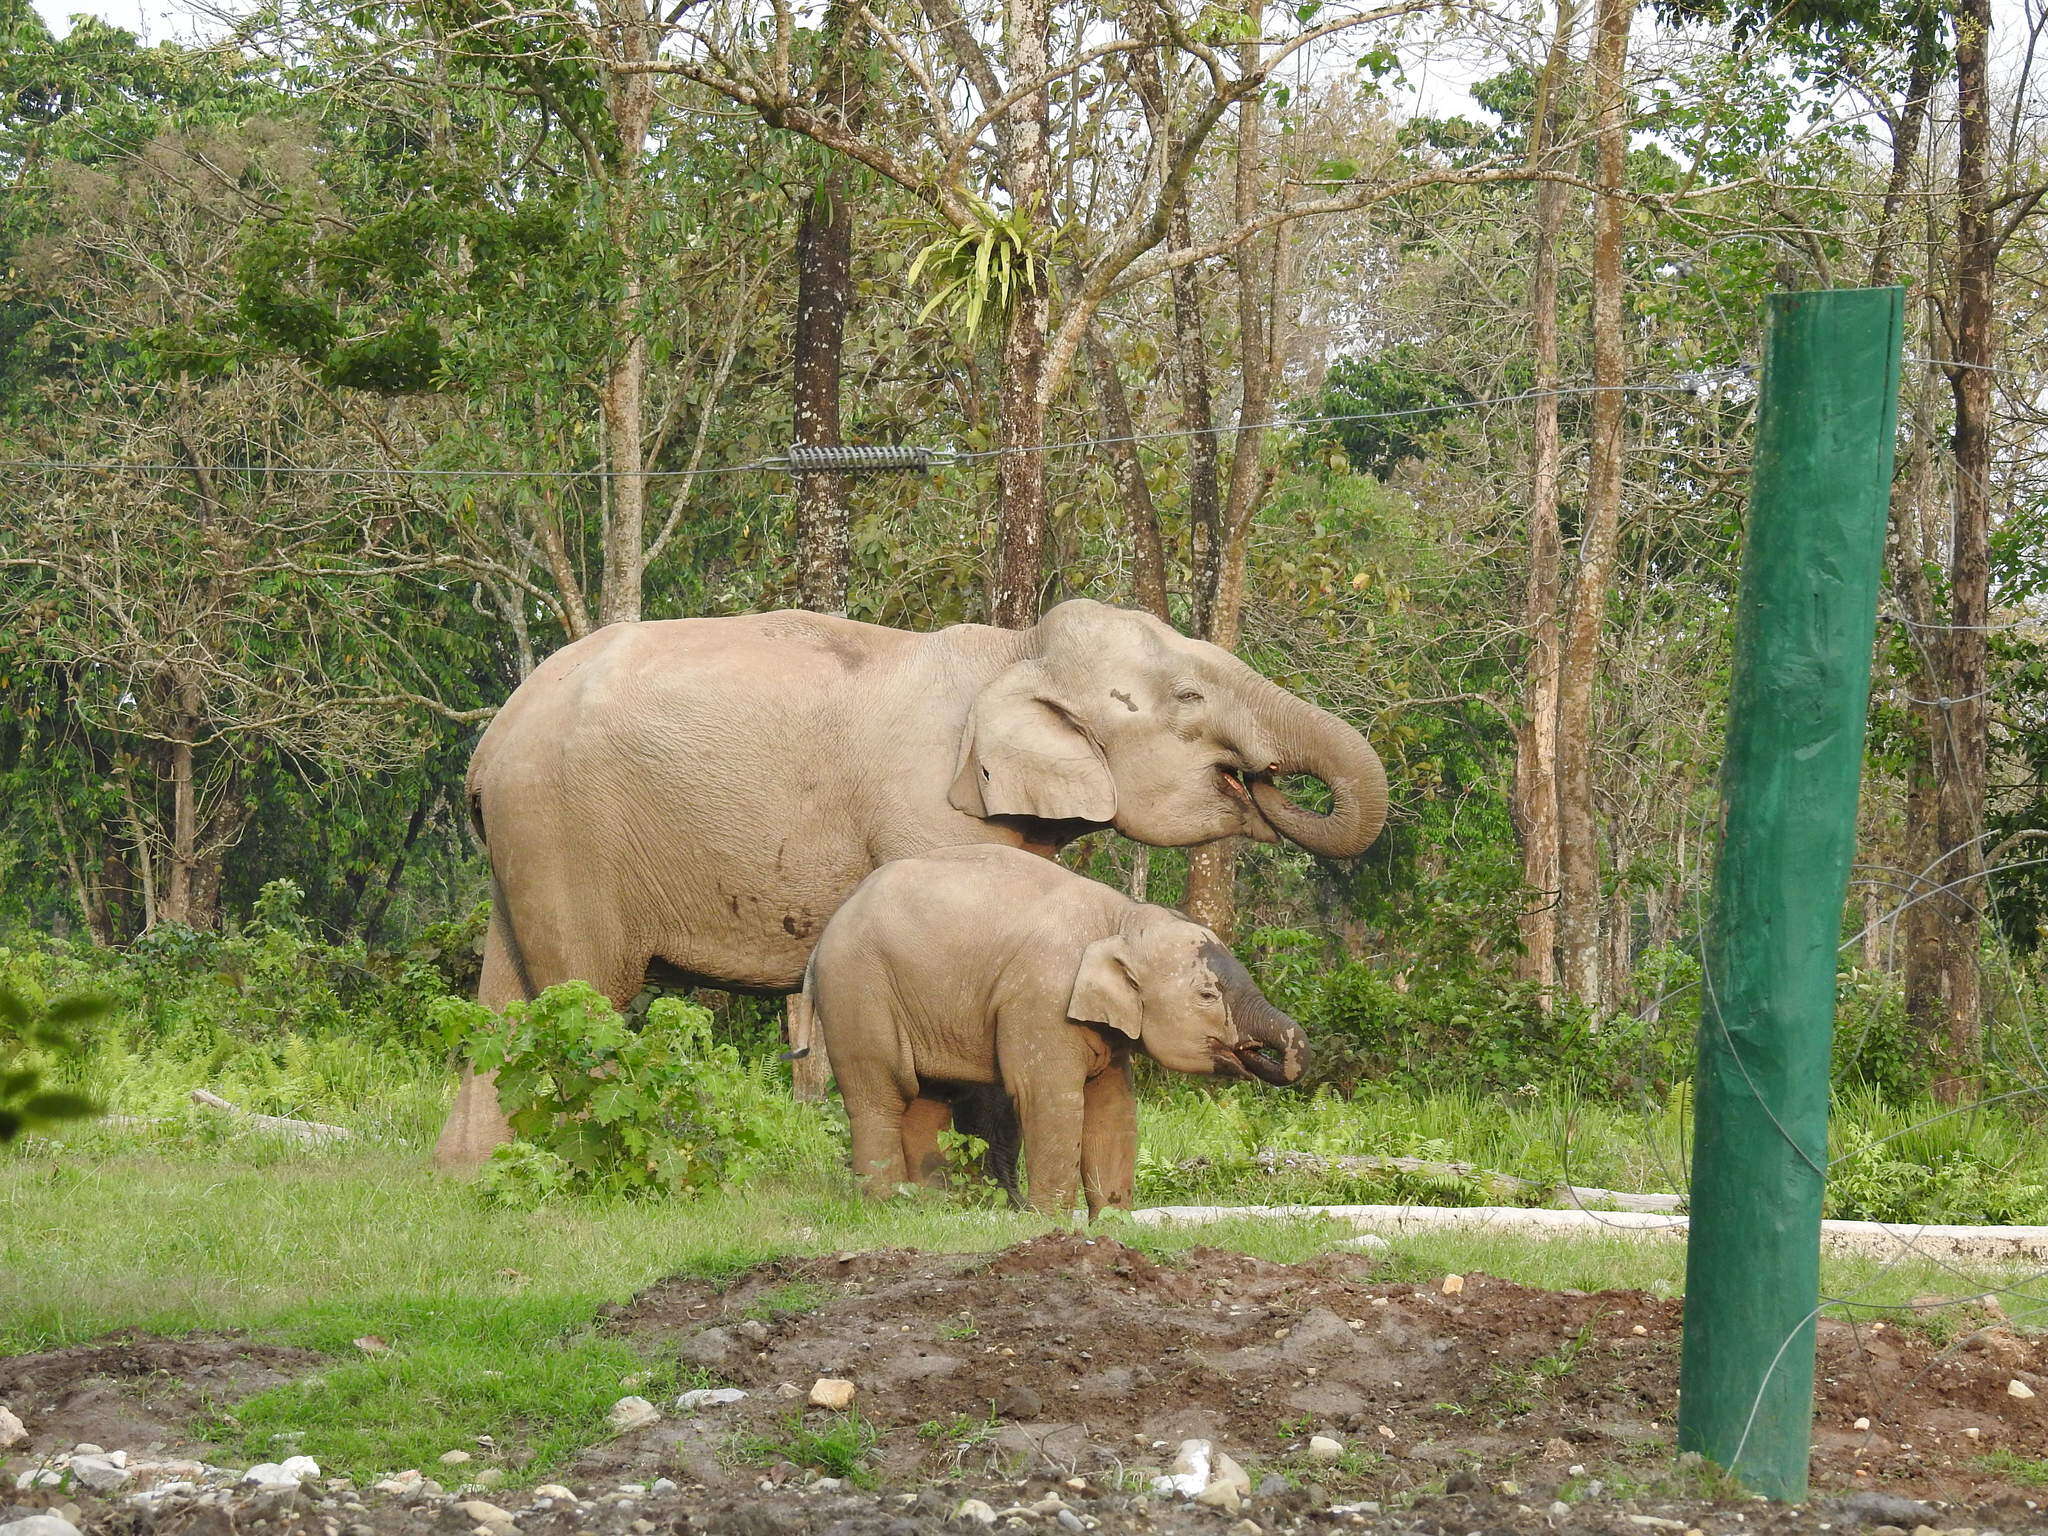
x: 831, y: 1392
x: 1559, y: 1509
x: 270, y: 1472
x: 1189, y: 1474
x: 454, y: 1458
x: 1220, y: 1495
x: 1640, y: 1331
x: 1323, y: 1448
x: 975, y: 1510
x: 753, y: 1330
x: 829, y: 1484
x: 1861, y: 1424
x: 39, y: 1525
x: 1247, y: 1528
x: 12, y: 1430
x: 1508, y: 1489
x: 710, y: 1397
x: 102, y: 1474
x: 662, y: 1485
x: 2018, y: 1388
x: 1072, y: 1521
x: 1019, y: 1402
x: 87, y: 1448
x: 304, y: 1468
x: 1453, y: 1284
x: 1272, y: 1486
x: 553, y: 1491
x: 1228, y: 1471
x: 1872, y: 1506
x: 370, y: 1344
x: 632, y: 1413
x: 487, y: 1517
x: 490, y: 1477
x: 789, y: 1389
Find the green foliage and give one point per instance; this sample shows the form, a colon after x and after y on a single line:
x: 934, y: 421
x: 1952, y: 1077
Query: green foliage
x: 982, y: 271
x: 1875, y: 1176
x: 603, y: 1108
x: 31, y: 1030
x: 1397, y: 380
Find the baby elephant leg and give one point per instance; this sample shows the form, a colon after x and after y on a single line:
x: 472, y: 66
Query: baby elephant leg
x: 875, y: 1112
x: 923, y: 1119
x: 1109, y: 1139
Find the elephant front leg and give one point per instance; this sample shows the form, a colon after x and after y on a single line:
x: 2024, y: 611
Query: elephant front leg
x: 1109, y: 1139
x: 1053, y: 1118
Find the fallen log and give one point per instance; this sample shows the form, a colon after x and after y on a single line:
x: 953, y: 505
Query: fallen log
x: 277, y: 1125
x: 1880, y: 1239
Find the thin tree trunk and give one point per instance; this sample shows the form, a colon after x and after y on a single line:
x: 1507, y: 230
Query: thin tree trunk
x: 1211, y: 897
x: 1917, y: 933
x: 1905, y: 148
x: 1141, y: 517
x: 824, y: 297
x: 1535, y: 801
x: 1021, y: 540
x: 1198, y: 417
x: 1578, y: 917
x: 622, y: 398
x: 1962, y: 743
x: 179, y: 901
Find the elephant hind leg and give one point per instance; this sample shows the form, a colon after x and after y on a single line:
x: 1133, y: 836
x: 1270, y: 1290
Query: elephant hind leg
x: 923, y: 1119
x: 476, y: 1124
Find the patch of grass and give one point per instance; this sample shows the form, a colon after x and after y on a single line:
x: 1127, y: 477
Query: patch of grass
x: 963, y: 1431
x: 2028, y: 1471
x: 798, y: 1296
x: 961, y: 1327
x: 840, y: 1446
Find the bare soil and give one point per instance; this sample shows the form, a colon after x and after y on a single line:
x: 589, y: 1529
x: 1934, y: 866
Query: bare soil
x: 1073, y: 1366
x: 137, y: 1391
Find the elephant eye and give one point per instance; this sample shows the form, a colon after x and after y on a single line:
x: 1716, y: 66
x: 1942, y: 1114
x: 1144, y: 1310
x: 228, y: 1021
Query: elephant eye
x: 1188, y: 695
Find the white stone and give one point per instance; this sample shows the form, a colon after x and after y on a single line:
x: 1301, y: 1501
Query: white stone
x: 633, y: 1413
x: 662, y: 1485
x: 39, y: 1525
x: 304, y: 1468
x: 12, y: 1430
x: 710, y: 1397
x: 266, y: 1472
x: 1228, y: 1471
x: 831, y: 1392
x: 483, y: 1513
x: 1221, y: 1495
x: 454, y: 1458
x: 2018, y: 1388
x: 102, y: 1474
x: 553, y: 1491
x: 87, y: 1448
x: 1189, y: 1474
x: 975, y: 1510
x: 1323, y: 1448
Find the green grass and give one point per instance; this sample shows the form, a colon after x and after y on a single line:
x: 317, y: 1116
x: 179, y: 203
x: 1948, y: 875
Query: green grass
x: 2028, y: 1471
x: 840, y: 1446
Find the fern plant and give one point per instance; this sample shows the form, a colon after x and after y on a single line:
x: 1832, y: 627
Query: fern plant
x: 983, y: 270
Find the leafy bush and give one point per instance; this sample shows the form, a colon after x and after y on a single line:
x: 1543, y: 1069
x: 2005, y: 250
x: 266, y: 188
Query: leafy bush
x: 32, y: 1030
x: 603, y: 1108
x: 1876, y: 1178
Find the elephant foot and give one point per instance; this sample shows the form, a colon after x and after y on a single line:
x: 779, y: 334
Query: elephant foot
x: 476, y: 1126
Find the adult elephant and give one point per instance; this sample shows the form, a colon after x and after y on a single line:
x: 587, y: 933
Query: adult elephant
x: 692, y: 799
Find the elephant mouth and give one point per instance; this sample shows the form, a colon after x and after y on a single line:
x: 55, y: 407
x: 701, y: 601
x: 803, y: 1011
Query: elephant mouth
x: 1232, y: 782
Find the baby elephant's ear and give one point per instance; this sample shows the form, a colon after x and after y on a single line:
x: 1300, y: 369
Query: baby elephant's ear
x: 1022, y: 754
x: 1105, y: 991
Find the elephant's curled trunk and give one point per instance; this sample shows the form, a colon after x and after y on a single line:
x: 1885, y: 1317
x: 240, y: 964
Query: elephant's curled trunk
x: 1313, y: 741
x: 1258, y: 1021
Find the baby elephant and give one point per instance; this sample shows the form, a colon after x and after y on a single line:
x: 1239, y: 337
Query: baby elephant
x: 987, y: 964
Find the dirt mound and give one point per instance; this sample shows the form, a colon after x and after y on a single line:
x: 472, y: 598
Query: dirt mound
x: 137, y: 1390
x: 1077, y: 1355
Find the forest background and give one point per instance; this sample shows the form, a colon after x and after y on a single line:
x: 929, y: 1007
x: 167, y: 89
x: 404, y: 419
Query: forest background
x: 355, y: 361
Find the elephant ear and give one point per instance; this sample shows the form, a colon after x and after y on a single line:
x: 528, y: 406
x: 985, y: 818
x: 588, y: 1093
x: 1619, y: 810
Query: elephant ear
x: 1024, y: 755
x: 1105, y: 991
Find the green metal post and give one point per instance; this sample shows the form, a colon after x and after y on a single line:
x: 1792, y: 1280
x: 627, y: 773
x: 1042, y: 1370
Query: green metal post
x: 1789, y: 778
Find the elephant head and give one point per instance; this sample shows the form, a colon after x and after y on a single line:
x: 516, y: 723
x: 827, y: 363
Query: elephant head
x: 1113, y: 717
x: 1171, y: 986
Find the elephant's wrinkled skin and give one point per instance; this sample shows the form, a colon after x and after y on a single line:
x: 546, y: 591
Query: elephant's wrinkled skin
x: 697, y: 796
x: 987, y: 965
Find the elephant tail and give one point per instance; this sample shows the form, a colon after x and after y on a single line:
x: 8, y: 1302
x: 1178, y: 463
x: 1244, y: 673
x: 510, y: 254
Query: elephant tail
x: 804, y: 1018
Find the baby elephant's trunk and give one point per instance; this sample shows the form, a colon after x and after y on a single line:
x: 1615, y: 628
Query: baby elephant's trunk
x: 1271, y: 1046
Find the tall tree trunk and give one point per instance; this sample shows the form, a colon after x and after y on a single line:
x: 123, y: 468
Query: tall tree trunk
x: 1535, y: 802
x: 622, y: 397
x: 824, y: 297
x: 1127, y: 470
x: 1962, y: 743
x: 1211, y: 897
x: 180, y: 899
x: 1020, y: 555
x: 1579, y: 908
